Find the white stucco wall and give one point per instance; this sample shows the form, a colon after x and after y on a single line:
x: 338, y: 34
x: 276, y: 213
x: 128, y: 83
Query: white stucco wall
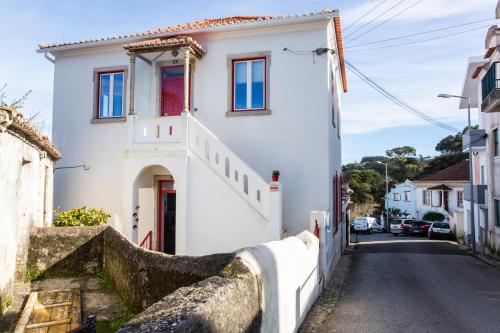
x: 290, y: 279
x: 408, y: 206
x: 298, y: 138
x: 421, y: 209
x: 25, y: 202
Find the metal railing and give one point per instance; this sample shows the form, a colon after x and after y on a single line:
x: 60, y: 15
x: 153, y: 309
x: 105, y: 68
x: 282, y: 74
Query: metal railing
x: 490, y: 81
x: 147, y: 242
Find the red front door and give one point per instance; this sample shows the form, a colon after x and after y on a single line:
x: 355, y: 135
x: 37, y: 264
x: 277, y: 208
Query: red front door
x: 172, y: 90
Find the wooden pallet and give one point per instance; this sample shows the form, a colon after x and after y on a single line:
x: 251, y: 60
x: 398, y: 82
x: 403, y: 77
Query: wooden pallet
x: 51, y: 311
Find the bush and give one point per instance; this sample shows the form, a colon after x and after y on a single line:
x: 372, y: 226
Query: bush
x: 80, y: 217
x: 433, y: 216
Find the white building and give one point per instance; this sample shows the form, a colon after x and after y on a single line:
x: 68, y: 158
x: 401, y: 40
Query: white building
x: 482, y: 86
x: 442, y: 192
x: 182, y: 127
x: 403, y: 197
x: 26, y: 168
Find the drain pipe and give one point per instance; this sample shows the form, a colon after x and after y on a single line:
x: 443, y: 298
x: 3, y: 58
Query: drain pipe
x: 45, y: 54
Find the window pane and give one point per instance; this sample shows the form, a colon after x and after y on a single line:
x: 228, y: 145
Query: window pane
x: 118, y: 95
x: 240, y: 85
x: 104, y: 96
x: 258, y: 84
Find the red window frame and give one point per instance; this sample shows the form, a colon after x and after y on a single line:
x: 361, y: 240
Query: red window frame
x: 98, y: 94
x: 233, y: 61
x: 332, y: 78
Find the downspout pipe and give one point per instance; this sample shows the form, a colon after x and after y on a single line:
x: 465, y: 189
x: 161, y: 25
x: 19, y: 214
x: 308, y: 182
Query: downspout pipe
x: 46, y: 55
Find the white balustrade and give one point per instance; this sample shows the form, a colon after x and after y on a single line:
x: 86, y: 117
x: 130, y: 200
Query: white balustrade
x: 160, y: 130
x: 241, y: 177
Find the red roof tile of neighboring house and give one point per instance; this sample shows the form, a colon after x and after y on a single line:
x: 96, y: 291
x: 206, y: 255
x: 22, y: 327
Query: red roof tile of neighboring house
x: 457, y: 172
x: 11, y: 120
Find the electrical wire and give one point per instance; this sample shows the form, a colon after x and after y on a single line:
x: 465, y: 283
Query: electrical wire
x: 387, y: 20
x: 376, y: 17
x: 419, y: 41
x: 398, y: 101
x: 364, y: 15
x: 420, y: 33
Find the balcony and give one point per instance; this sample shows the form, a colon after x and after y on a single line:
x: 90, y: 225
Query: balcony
x: 159, y: 130
x: 490, y: 86
x: 475, y: 139
x: 479, y: 194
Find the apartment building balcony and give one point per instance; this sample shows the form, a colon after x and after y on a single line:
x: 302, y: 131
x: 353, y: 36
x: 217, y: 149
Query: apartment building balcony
x: 475, y: 140
x: 491, y: 89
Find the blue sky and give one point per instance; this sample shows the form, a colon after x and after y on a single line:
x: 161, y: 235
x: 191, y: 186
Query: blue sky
x: 371, y: 124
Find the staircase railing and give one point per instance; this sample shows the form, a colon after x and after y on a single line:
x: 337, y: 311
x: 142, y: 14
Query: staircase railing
x: 232, y: 169
x: 147, y: 242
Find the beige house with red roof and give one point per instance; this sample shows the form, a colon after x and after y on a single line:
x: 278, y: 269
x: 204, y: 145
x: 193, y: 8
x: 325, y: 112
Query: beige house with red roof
x: 443, y: 192
x: 183, y: 126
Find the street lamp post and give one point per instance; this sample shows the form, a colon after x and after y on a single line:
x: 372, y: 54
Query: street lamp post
x: 471, y: 173
x: 386, y: 196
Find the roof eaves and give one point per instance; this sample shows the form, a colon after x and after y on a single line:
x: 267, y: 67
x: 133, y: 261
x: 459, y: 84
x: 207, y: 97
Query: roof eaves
x: 165, y: 32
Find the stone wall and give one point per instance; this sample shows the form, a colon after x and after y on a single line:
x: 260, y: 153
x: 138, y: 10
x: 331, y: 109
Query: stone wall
x: 214, y: 293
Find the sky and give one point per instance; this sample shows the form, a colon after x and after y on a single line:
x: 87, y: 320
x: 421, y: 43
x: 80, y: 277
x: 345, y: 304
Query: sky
x: 371, y: 124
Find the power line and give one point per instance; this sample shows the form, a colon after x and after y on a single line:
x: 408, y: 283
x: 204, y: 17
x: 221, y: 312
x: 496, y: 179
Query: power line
x: 364, y: 15
x: 376, y: 17
x: 398, y: 101
x: 421, y: 33
x: 389, y: 19
x: 419, y: 41
x: 402, y: 103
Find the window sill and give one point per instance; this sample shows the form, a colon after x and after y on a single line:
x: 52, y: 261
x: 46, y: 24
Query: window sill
x: 248, y: 113
x: 108, y: 120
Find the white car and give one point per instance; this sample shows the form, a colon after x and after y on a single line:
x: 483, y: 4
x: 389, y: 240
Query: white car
x: 378, y: 227
x: 401, y: 226
x: 364, y: 224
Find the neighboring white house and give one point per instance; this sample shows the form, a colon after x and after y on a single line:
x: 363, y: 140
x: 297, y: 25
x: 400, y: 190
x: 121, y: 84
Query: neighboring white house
x: 443, y: 192
x: 403, y: 197
x: 26, y: 168
x: 182, y: 127
x: 482, y: 84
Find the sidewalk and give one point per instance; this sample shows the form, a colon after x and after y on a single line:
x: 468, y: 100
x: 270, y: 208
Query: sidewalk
x: 486, y: 258
x: 326, y: 303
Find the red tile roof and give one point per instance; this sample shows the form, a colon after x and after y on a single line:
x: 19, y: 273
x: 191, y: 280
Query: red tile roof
x: 165, y: 42
x: 457, y: 172
x: 13, y: 121
x: 206, y: 23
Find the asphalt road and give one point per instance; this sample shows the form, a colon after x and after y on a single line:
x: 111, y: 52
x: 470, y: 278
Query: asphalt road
x: 405, y: 284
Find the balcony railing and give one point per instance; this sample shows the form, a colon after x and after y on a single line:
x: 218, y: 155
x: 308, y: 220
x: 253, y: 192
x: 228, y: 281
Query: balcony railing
x: 490, y: 89
x: 160, y: 130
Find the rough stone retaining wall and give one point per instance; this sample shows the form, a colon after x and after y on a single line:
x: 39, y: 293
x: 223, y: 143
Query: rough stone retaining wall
x: 215, y: 293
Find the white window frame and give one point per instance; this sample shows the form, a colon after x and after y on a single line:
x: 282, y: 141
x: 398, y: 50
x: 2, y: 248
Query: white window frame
x: 396, y: 196
x: 424, y: 201
x: 407, y: 196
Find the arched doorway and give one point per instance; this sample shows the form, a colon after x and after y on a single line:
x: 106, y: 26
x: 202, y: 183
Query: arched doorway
x: 155, y: 197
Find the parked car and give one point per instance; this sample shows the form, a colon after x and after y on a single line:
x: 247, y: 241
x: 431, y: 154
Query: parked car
x: 419, y: 228
x: 401, y: 226
x: 364, y: 224
x: 440, y: 230
x: 378, y: 227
